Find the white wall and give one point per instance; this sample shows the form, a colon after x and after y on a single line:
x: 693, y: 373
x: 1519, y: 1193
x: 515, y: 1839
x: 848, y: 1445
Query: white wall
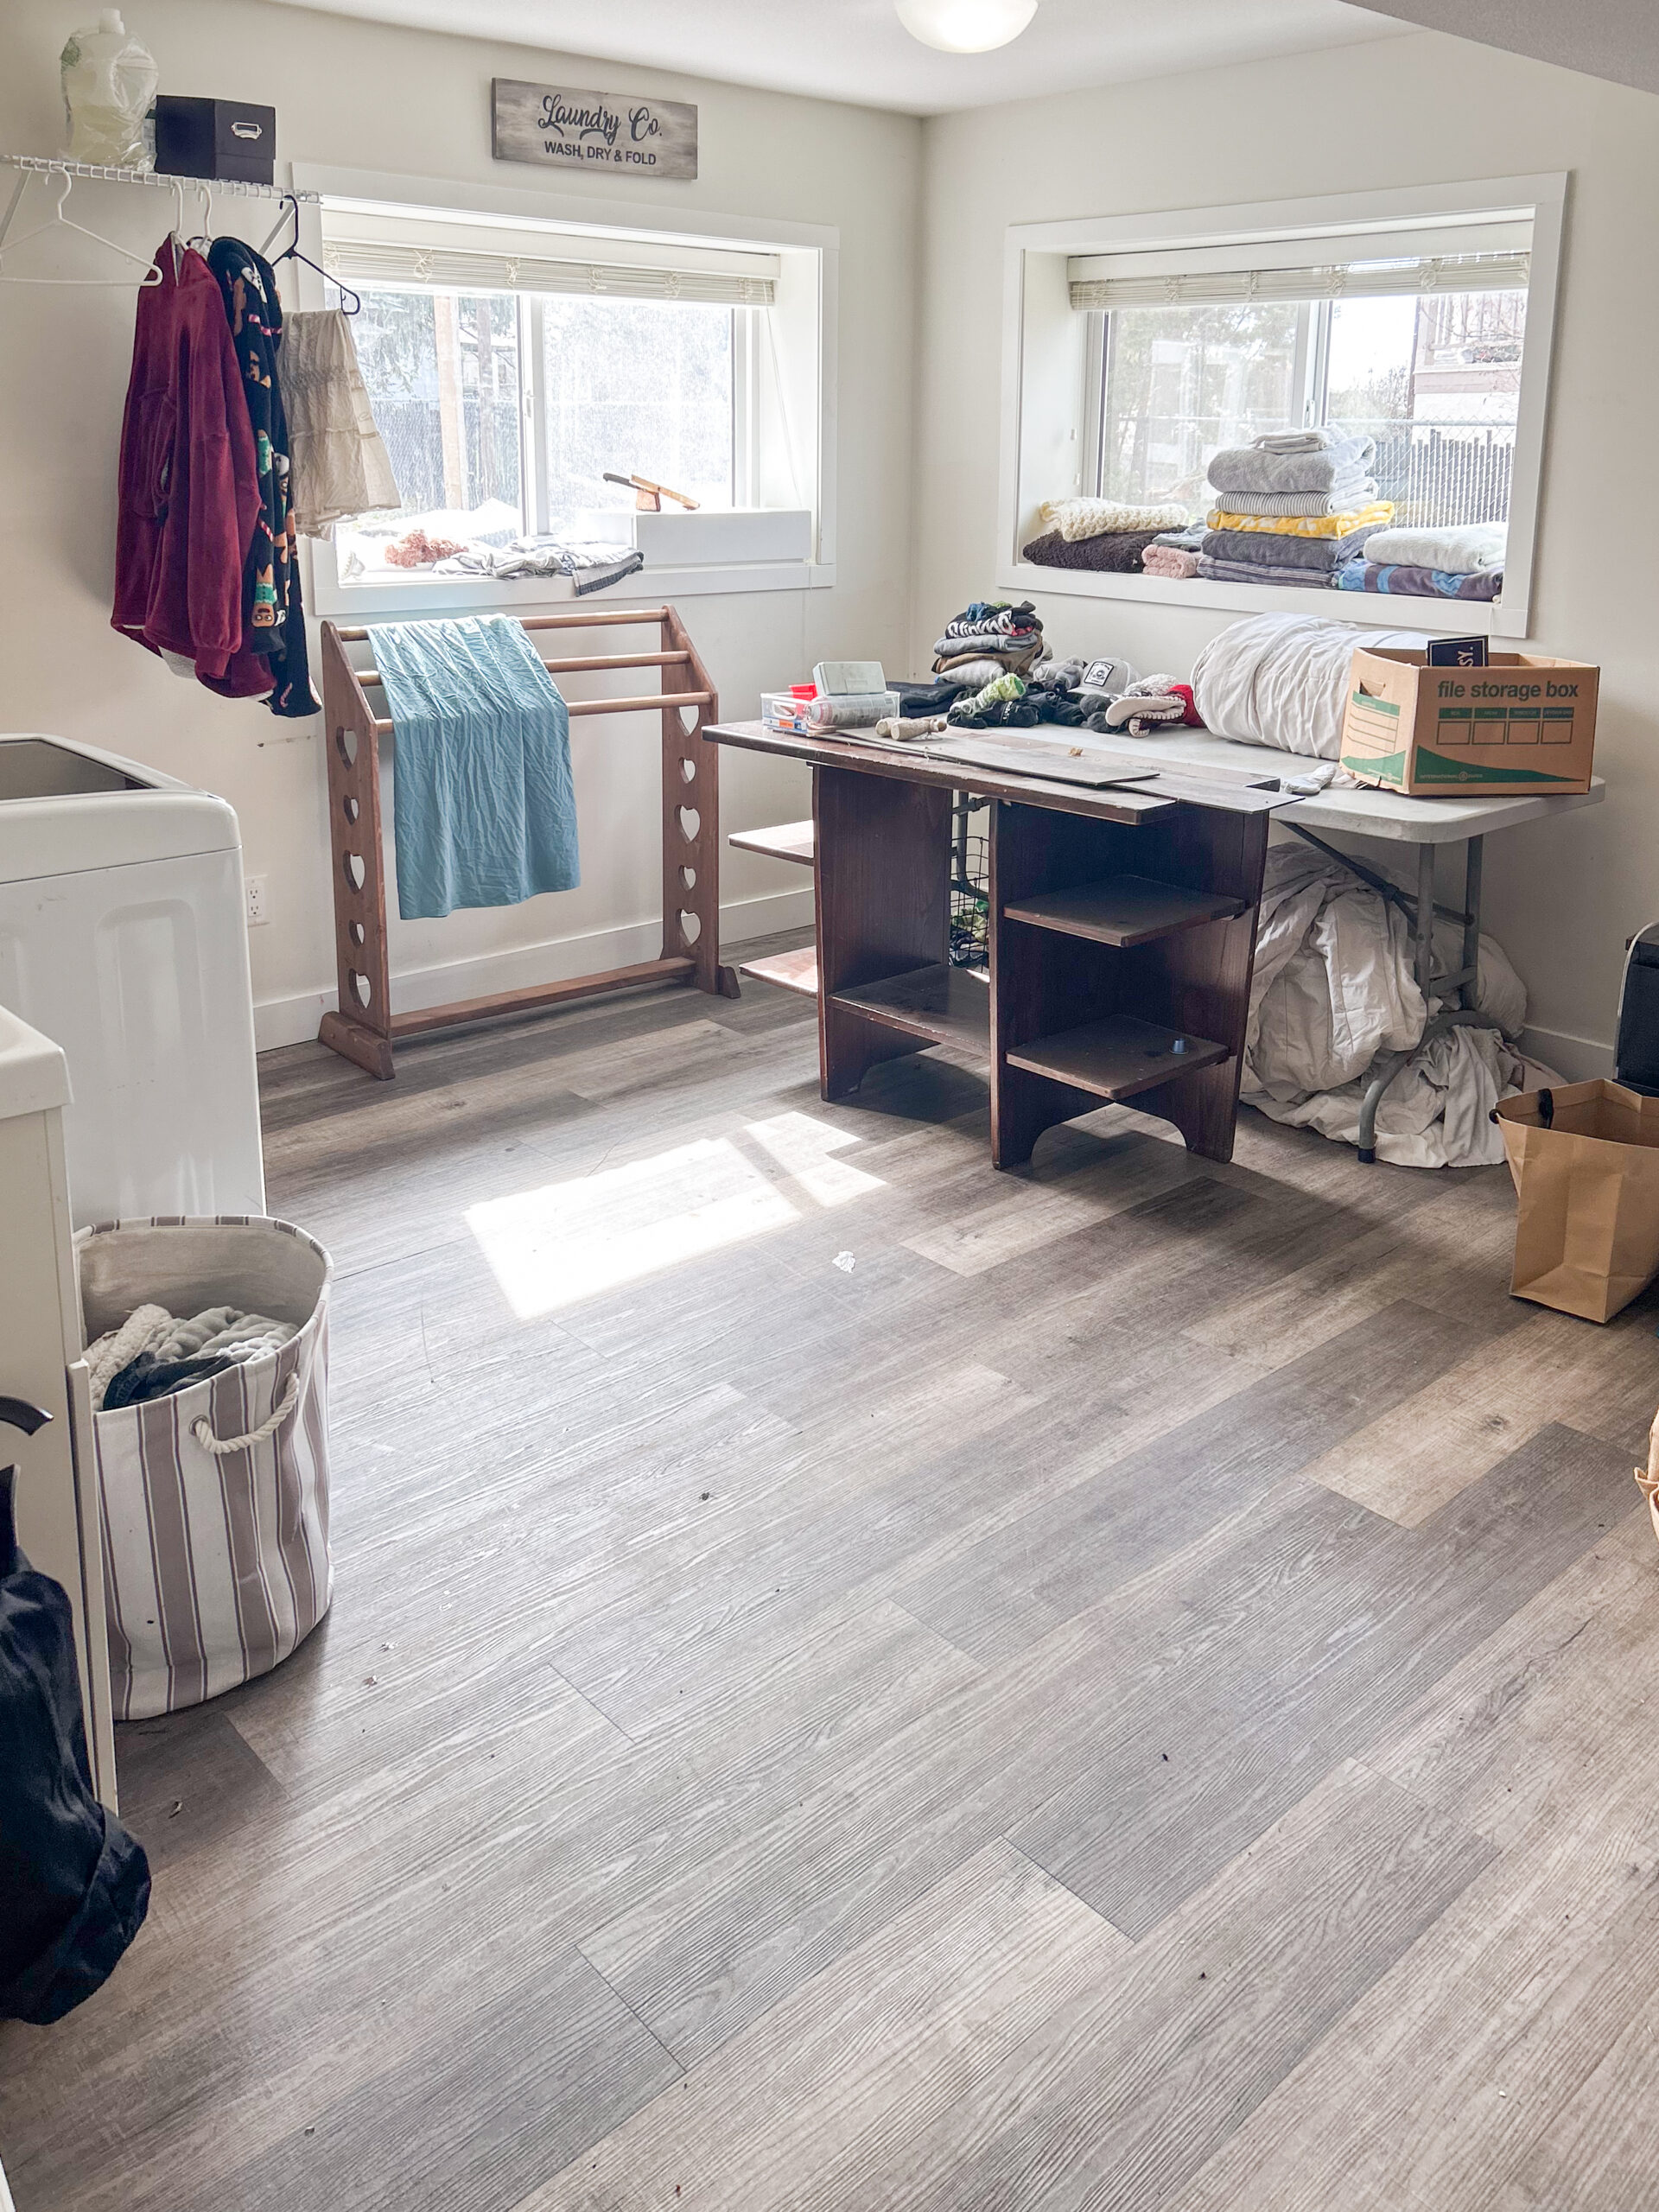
x: 1561, y: 896
x: 408, y: 102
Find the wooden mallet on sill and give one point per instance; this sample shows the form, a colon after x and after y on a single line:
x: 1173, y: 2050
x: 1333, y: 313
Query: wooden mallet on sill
x: 648, y: 497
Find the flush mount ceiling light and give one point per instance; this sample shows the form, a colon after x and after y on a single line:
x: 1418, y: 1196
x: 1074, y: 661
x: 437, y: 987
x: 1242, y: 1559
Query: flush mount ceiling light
x: 965, y: 26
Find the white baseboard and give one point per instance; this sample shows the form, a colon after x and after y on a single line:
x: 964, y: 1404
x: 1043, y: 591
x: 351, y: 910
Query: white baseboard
x: 1581, y: 1059
x: 293, y: 1020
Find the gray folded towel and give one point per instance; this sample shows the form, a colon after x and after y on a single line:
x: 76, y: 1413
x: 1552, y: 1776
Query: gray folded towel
x: 1253, y: 468
x: 1241, y: 572
x: 1271, y: 549
x: 1341, y: 499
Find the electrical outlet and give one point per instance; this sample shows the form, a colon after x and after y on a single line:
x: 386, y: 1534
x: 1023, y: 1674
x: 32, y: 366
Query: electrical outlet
x: 258, y: 910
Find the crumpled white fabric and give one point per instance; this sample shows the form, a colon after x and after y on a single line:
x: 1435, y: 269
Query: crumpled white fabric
x: 1334, y: 989
x: 1282, y: 680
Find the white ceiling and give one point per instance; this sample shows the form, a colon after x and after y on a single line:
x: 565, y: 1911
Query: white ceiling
x: 857, y: 49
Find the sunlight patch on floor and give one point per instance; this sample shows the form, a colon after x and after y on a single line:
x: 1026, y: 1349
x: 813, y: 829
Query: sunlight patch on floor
x: 551, y: 1247
x: 805, y: 1148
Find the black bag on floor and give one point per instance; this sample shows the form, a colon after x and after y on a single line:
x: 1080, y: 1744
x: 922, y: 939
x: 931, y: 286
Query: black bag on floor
x: 74, y: 1886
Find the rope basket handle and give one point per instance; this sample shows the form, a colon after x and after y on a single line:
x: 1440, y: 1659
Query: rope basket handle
x: 219, y: 1445
x: 1647, y: 1478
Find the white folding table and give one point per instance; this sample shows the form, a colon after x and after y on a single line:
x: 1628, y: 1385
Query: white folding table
x: 1428, y: 824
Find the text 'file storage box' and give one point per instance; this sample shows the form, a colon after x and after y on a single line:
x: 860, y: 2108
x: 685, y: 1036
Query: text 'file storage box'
x: 1525, y: 722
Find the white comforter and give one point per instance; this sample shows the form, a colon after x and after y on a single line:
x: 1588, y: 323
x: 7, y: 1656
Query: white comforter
x: 1334, y: 989
x: 1282, y: 679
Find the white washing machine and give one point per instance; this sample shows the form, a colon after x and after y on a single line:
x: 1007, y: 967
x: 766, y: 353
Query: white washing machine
x: 123, y: 939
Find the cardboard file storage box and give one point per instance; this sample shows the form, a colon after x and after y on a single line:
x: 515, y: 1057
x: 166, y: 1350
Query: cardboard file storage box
x: 1524, y: 723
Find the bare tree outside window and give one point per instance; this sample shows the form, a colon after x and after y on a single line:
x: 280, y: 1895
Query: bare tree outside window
x: 1434, y: 379
x: 641, y: 387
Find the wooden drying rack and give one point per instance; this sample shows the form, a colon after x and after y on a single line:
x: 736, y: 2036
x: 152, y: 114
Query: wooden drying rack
x: 365, y: 1029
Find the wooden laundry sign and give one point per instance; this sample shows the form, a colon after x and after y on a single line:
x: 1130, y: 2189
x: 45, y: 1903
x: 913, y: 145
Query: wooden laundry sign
x: 619, y: 132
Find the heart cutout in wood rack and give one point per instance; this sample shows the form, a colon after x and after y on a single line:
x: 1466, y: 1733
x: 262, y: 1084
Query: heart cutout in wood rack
x: 690, y: 926
x: 690, y: 822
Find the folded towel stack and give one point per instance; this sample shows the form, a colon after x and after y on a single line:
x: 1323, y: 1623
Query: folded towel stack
x: 1465, y: 561
x: 988, y: 638
x: 1173, y: 553
x: 1293, y: 508
x: 1104, y: 535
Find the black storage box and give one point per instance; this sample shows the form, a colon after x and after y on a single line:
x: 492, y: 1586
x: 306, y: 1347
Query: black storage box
x: 231, y: 139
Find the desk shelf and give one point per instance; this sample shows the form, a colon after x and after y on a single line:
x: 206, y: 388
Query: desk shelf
x: 948, y: 1006
x: 790, y: 840
x: 1118, y: 1057
x: 1108, y: 940
x: 792, y: 971
x: 1123, y: 910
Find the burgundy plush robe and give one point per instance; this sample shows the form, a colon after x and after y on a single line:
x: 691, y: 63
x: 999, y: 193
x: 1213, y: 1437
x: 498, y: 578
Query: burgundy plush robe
x: 188, y: 486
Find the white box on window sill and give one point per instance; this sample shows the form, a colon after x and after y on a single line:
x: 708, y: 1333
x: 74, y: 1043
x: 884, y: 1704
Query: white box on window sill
x: 681, y: 538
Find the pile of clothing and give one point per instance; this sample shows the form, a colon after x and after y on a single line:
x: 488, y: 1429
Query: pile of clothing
x: 989, y: 637
x: 219, y: 472
x: 589, y: 567
x: 1174, y: 553
x: 152, y: 1354
x: 1105, y: 697
x: 1463, y: 562
x: 1292, y: 508
x: 1105, y: 535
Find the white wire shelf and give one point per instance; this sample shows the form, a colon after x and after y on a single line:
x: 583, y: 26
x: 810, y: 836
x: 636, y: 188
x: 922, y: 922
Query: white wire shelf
x: 99, y: 172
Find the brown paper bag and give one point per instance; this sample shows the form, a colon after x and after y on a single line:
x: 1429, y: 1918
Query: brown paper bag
x: 1584, y: 1158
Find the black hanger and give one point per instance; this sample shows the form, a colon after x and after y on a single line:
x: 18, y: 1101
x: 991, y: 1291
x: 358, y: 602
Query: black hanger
x: 350, y: 302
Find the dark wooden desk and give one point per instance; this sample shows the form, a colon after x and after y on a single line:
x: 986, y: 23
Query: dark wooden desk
x: 1122, y: 934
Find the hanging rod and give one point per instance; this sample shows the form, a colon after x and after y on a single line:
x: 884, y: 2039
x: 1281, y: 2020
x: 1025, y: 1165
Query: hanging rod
x: 649, y: 705
x: 598, y: 617
x: 102, y: 173
x: 366, y: 676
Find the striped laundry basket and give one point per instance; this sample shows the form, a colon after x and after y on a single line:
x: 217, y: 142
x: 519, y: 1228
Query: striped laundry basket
x: 215, y: 1500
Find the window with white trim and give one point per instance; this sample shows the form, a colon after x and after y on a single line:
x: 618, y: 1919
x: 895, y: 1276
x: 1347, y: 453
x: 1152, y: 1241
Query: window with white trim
x: 1420, y: 352
x: 511, y: 372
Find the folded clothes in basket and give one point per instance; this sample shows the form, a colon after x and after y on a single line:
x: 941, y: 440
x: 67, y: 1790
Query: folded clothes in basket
x: 152, y: 1354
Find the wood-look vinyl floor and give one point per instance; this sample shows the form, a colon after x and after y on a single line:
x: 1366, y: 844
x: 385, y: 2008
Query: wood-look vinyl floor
x: 858, y: 1682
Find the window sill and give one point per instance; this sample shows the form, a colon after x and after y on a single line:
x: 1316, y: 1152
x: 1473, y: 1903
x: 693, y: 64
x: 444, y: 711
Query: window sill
x: 1457, y: 618
x: 423, y: 595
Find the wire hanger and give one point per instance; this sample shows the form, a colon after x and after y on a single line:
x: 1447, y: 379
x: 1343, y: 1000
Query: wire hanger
x: 291, y: 253
x: 203, y: 237
x: 58, y: 221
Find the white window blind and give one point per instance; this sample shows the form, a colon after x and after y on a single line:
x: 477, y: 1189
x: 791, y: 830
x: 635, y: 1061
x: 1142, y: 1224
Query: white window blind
x: 1412, y: 274
x: 728, y: 279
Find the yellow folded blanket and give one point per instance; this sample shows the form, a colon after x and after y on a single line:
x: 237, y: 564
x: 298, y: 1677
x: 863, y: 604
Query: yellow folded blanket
x: 1372, y: 518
